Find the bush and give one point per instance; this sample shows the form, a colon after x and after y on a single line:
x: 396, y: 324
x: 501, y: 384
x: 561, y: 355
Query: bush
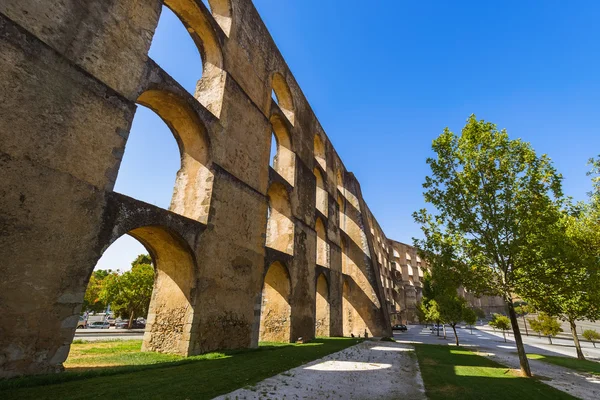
x: 387, y: 339
x: 592, y: 336
x: 500, y: 322
x: 546, y: 325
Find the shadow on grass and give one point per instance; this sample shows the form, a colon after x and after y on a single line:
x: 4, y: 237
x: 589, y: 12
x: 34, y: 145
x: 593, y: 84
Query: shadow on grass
x: 450, y: 372
x: 203, y: 376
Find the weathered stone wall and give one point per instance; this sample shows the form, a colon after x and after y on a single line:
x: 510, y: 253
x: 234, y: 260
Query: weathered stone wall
x: 71, y: 74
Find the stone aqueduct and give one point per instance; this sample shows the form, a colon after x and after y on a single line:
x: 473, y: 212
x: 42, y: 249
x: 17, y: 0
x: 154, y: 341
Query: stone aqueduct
x: 246, y: 251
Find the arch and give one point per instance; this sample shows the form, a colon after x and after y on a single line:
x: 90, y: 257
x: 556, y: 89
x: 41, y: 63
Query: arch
x: 171, y: 310
x: 283, y: 96
x: 221, y: 12
x: 280, y: 226
x: 322, y: 308
x: 275, y: 313
x: 321, y: 193
x: 322, y: 257
x: 193, y: 185
x: 319, y: 152
x: 285, y: 158
x: 209, y: 89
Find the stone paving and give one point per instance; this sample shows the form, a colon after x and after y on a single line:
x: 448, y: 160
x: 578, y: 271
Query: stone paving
x: 369, y: 370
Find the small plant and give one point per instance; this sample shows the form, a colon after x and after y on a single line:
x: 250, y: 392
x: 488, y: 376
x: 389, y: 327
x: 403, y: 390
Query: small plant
x: 592, y: 336
x: 500, y: 322
x: 387, y: 339
x: 546, y: 325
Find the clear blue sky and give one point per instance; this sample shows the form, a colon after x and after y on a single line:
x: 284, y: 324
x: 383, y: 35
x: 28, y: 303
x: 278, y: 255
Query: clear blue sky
x: 385, y: 77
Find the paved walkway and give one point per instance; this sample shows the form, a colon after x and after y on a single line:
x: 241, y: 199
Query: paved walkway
x: 369, y: 370
x: 583, y: 386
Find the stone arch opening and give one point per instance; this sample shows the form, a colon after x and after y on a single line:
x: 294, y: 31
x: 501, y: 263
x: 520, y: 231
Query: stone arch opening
x: 284, y: 158
x: 321, y: 193
x: 322, y: 309
x: 172, y: 46
x: 322, y: 245
x: 282, y: 95
x: 319, y: 152
x: 169, y: 314
x: 193, y: 182
x: 209, y: 88
x: 280, y: 225
x: 275, y: 312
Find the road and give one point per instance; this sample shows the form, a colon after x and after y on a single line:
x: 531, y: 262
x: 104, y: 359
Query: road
x: 109, y: 334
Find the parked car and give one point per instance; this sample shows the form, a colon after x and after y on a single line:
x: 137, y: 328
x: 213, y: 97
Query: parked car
x: 137, y: 324
x: 98, y: 325
x: 121, y: 324
x: 81, y: 324
x: 436, y: 328
x: 399, y: 327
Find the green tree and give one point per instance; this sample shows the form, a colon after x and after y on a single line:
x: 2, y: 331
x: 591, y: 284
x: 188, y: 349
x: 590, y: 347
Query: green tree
x: 421, y: 314
x: 432, y: 313
x: 453, y: 309
x: 129, y: 293
x: 546, y: 325
x: 470, y: 317
x: 522, y: 310
x: 492, y: 196
x: 91, y: 300
x: 479, y: 313
x: 566, y: 284
x: 501, y: 322
x: 592, y: 336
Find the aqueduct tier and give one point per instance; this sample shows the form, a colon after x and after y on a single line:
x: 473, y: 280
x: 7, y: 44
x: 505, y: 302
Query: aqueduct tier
x: 246, y: 251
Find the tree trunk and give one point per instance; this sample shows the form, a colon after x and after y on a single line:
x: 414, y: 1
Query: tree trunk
x: 444, y: 328
x: 576, y: 340
x: 504, y: 334
x: 471, y: 329
x: 550, y: 339
x: 437, y: 328
x: 525, y: 324
x: 130, y: 320
x: 594, y: 344
x: 525, y: 370
x: 455, y: 335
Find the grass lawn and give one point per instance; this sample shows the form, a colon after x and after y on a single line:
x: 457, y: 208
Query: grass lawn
x: 591, y: 367
x: 123, y: 372
x: 458, y: 373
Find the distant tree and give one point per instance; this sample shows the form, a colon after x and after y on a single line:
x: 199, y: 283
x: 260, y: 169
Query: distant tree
x: 479, y: 313
x: 522, y: 310
x: 142, y: 259
x: 470, y: 317
x: 592, y: 336
x: 421, y: 314
x: 91, y: 299
x: 432, y: 313
x: 492, y: 196
x: 129, y: 293
x: 546, y: 325
x: 501, y: 322
x: 453, y: 309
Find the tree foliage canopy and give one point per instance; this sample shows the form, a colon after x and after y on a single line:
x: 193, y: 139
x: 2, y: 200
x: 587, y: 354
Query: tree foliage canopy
x: 492, y: 197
